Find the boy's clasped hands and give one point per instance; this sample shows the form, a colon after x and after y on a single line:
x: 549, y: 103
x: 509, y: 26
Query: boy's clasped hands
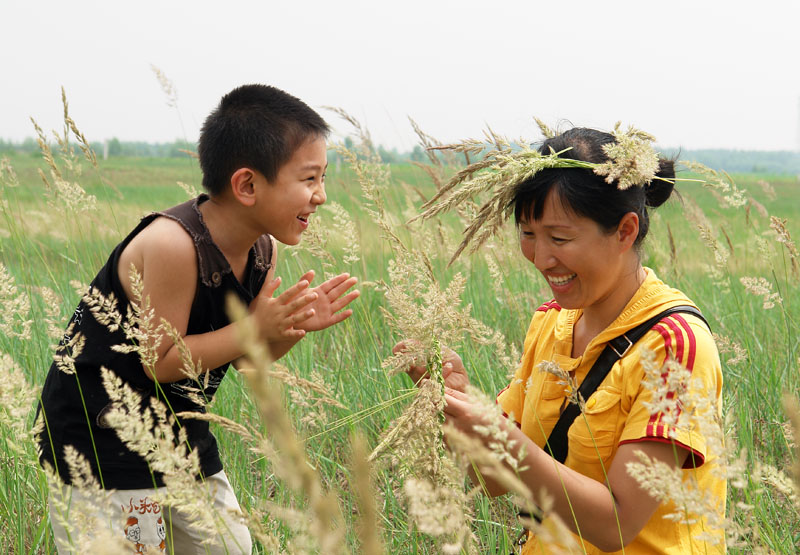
x: 299, y: 309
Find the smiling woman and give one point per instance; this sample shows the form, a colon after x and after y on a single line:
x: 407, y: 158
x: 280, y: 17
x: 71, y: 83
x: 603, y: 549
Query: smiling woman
x: 582, y: 213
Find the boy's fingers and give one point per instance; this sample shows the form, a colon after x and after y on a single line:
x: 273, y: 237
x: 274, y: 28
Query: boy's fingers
x: 339, y: 289
x: 328, y: 286
x: 302, y: 316
x: 300, y: 302
x: 340, y: 316
x: 268, y: 288
x: 293, y: 333
x: 342, y: 302
x: 293, y: 291
x: 308, y: 276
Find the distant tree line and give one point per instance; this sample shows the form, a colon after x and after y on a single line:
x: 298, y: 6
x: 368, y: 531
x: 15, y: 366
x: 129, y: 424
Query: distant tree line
x: 734, y: 161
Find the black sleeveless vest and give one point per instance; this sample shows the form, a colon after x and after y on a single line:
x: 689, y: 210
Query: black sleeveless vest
x: 73, y: 405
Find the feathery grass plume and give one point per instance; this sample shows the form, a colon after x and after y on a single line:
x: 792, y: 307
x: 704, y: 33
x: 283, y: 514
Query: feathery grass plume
x: 564, y: 378
x: 15, y: 307
x: 366, y: 147
x: 431, y: 145
x: 760, y: 287
x: 631, y: 159
x: 778, y: 225
x: 8, y: 177
x: 321, y: 523
x: 780, y: 482
x: 438, y: 511
x: 51, y: 304
x: 151, y: 432
x: 68, y: 349
x: 546, y: 130
x: 681, y: 402
x: 361, y: 482
x: 167, y: 86
x: 413, y: 437
x: 190, y: 190
x: 716, y: 271
x: 720, y: 182
x: 550, y: 529
x: 768, y: 189
x: 727, y: 345
x: 16, y: 400
x: 315, y: 242
x: 632, y: 162
x: 496, y: 175
x: 83, y: 142
x: 792, y: 409
x: 84, y: 517
x: 494, y: 430
x: 141, y: 332
x: 421, y: 312
x: 344, y: 226
x: 63, y: 192
x: 690, y: 502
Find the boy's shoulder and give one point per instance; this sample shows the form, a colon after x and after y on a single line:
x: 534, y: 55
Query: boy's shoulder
x: 164, y: 238
x: 164, y: 248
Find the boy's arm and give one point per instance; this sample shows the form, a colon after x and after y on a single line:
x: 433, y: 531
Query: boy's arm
x: 164, y: 254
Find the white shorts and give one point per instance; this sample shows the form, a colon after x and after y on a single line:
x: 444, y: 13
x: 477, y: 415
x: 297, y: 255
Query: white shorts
x: 142, y: 524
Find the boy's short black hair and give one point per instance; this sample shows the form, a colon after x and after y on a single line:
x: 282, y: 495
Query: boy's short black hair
x: 254, y: 126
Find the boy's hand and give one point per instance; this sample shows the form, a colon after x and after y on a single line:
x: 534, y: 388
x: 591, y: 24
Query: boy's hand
x: 331, y: 298
x: 277, y: 317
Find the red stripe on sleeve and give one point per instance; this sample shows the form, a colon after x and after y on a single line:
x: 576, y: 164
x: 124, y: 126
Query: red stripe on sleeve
x: 692, y: 340
x: 678, y: 338
x: 654, y: 427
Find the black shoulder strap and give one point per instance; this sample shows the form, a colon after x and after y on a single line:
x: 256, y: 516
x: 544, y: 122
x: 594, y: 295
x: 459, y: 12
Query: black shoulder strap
x: 614, y: 350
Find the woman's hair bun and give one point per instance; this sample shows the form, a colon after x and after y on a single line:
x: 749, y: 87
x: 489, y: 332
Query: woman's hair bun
x: 658, y: 190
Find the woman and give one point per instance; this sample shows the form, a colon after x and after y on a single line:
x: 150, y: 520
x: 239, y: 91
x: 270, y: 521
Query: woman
x: 582, y: 232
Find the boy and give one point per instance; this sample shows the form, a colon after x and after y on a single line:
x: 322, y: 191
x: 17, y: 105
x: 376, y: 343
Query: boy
x: 263, y: 157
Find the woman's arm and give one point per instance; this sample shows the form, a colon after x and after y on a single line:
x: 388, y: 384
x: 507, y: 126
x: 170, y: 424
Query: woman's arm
x: 607, y: 515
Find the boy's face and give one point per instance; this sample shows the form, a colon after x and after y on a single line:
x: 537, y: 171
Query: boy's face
x: 286, y: 203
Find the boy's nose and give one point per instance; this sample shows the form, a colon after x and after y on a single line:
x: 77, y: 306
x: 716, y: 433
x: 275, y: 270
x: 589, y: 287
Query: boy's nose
x: 319, y: 196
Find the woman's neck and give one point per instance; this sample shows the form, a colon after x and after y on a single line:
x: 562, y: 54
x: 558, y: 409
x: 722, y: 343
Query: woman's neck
x: 599, y: 316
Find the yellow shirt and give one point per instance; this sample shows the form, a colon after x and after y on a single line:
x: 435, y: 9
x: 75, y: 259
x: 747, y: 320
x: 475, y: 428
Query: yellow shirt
x: 616, y: 413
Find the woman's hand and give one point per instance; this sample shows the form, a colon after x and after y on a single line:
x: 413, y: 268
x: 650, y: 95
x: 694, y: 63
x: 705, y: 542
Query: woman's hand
x: 453, y: 371
x: 461, y: 411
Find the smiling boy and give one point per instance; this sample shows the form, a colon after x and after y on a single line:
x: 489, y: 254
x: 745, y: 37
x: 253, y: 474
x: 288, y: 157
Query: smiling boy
x: 263, y: 157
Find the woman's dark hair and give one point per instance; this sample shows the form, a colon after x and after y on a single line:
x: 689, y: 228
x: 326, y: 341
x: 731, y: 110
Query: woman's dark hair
x: 586, y: 193
x: 254, y: 126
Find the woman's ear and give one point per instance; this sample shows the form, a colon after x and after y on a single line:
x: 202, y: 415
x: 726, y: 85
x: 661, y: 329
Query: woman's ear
x: 628, y: 230
x: 243, y: 186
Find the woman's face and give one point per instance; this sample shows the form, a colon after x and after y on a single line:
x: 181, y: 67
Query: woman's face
x: 583, y: 264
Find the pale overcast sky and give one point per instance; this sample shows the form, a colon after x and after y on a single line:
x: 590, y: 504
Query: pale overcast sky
x: 696, y: 74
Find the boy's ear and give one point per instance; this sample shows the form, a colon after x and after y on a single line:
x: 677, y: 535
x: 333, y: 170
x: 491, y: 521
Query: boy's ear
x: 243, y: 187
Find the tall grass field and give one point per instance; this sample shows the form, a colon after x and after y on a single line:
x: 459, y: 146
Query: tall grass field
x: 340, y: 395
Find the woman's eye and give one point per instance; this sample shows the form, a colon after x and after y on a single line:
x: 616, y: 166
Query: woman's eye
x: 560, y: 239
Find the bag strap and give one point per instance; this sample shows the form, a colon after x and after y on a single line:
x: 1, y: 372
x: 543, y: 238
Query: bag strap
x: 614, y: 350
